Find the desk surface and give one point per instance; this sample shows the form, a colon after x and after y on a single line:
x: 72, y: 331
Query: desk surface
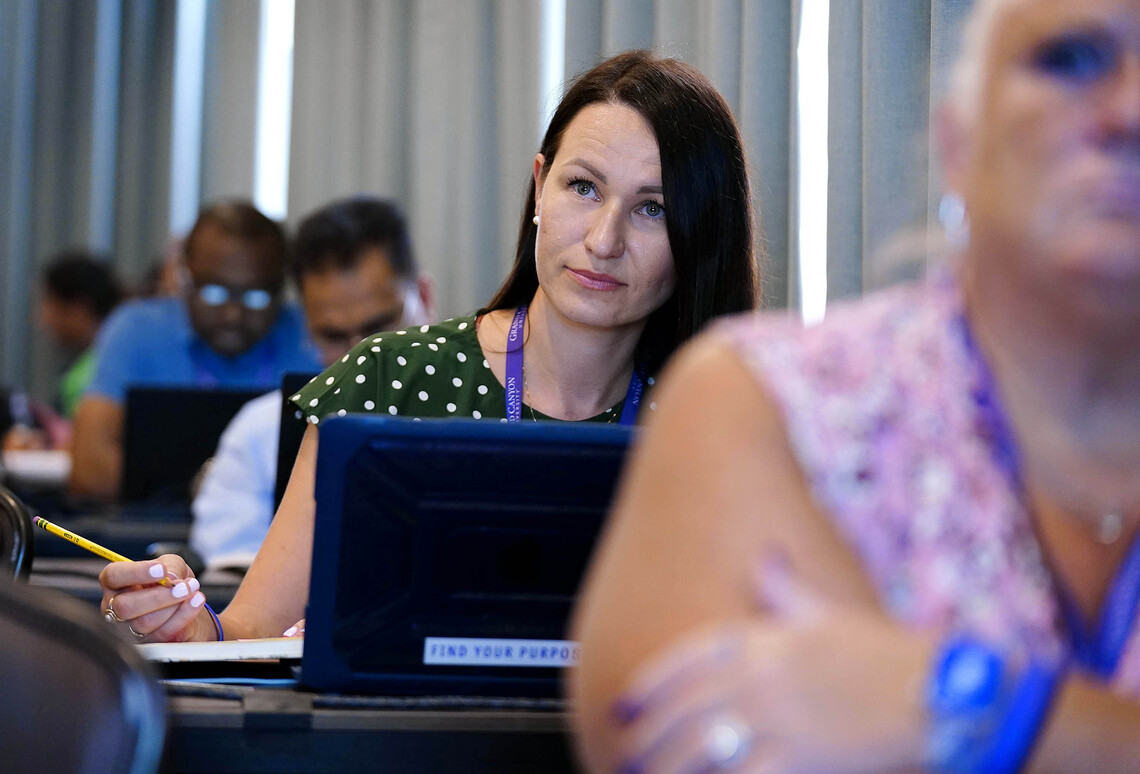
x: 282, y: 730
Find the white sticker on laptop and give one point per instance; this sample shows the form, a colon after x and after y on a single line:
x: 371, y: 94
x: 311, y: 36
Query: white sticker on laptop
x: 477, y: 651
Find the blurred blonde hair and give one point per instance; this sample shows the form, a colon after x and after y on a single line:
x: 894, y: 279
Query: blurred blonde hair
x: 966, y: 76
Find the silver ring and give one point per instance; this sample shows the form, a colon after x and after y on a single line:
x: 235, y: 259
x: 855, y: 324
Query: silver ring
x: 131, y: 629
x: 109, y: 614
x: 727, y: 740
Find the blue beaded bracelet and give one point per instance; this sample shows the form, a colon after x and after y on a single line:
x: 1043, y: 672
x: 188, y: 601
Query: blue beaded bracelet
x: 217, y: 623
x: 985, y: 715
x: 1013, y: 740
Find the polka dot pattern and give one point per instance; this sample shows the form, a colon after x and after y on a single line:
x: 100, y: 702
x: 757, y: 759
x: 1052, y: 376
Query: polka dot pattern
x: 426, y: 371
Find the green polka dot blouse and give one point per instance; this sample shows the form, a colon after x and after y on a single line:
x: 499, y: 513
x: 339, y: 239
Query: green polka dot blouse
x: 424, y: 371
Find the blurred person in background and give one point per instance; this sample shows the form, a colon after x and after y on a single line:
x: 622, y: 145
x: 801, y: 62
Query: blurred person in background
x: 357, y: 275
x: 78, y: 289
x: 227, y: 329
x: 907, y: 537
x: 79, y: 292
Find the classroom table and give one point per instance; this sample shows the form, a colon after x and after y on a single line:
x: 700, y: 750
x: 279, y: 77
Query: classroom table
x: 249, y: 730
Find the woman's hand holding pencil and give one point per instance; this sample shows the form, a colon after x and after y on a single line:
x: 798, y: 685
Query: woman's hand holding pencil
x: 158, y: 599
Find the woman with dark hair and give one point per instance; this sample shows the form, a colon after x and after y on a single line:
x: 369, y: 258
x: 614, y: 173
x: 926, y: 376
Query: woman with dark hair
x: 637, y: 230
x: 702, y: 161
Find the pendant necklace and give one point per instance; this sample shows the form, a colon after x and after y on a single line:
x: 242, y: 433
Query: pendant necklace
x: 1098, y: 648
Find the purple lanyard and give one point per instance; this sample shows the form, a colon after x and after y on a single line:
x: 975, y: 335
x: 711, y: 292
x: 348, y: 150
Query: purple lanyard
x: 1100, y: 649
x: 514, y: 385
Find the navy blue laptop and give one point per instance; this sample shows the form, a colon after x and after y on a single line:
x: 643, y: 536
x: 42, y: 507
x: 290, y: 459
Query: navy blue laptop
x: 447, y: 553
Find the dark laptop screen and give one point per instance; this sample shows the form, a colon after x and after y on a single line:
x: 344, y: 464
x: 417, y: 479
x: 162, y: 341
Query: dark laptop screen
x: 169, y: 433
x: 447, y: 553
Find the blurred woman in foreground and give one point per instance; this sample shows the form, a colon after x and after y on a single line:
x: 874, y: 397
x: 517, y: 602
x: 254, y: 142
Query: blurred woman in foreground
x: 907, y: 537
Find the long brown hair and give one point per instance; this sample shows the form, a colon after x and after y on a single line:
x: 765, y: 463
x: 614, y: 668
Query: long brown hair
x: 704, y: 179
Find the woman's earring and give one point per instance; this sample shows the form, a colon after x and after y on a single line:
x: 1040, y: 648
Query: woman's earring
x: 955, y: 222
x: 534, y: 220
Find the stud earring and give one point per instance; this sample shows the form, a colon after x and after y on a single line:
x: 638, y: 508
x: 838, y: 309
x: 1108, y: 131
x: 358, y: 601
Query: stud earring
x: 534, y: 220
x: 954, y: 219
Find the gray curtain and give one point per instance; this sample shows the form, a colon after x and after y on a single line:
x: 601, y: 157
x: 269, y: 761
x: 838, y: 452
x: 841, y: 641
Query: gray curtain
x: 436, y: 104
x: 229, y: 100
x: 83, y: 115
x: 429, y: 102
x: 889, y: 63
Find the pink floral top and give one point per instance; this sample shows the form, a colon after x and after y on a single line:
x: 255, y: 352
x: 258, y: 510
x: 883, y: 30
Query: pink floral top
x: 879, y: 408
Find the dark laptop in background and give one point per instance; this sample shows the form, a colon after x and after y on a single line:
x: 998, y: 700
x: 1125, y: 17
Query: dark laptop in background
x: 168, y: 434
x: 447, y: 553
x: 292, y: 431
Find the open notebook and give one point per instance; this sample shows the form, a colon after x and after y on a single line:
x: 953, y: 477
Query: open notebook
x: 234, y: 650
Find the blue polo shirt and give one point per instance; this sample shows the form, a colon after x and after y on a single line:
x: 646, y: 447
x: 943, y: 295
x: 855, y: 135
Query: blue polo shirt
x: 152, y: 343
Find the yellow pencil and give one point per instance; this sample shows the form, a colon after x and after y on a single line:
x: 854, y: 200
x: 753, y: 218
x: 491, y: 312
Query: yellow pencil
x: 83, y: 542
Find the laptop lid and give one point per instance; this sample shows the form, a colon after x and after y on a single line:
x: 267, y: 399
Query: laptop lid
x: 169, y: 433
x: 291, y: 431
x: 447, y: 553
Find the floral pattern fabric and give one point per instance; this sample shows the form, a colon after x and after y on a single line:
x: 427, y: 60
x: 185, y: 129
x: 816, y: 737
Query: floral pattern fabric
x: 878, y: 406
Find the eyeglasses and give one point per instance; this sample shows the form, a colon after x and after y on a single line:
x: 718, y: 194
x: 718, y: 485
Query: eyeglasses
x: 254, y: 299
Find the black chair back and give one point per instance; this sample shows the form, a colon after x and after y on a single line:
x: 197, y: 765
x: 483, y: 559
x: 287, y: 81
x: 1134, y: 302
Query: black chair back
x: 77, y: 698
x: 16, y: 541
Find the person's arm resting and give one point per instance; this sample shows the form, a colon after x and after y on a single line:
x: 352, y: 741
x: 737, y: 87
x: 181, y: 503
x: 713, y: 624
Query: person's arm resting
x: 686, y: 617
x: 96, y: 448
x: 712, y: 489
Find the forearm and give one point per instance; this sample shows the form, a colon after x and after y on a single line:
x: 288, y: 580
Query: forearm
x: 242, y: 621
x: 95, y: 471
x: 96, y: 453
x: 1090, y: 730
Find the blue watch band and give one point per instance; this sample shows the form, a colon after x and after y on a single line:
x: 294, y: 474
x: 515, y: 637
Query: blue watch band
x: 985, y: 713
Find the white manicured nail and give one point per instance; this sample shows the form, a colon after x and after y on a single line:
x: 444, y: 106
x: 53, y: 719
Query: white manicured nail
x: 193, y: 584
x: 180, y: 591
x: 198, y: 600
x: 290, y: 631
x: 157, y: 571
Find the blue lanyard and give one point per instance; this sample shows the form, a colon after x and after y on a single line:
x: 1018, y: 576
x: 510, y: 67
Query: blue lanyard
x: 1101, y: 648
x: 514, y: 385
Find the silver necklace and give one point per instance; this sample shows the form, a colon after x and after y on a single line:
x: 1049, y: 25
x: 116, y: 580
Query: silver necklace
x: 530, y: 406
x: 526, y: 392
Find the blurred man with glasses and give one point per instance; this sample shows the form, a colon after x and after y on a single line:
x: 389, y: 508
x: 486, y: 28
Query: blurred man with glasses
x: 354, y: 268
x: 227, y: 330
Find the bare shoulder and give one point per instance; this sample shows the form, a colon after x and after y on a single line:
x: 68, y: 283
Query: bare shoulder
x: 711, y: 488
